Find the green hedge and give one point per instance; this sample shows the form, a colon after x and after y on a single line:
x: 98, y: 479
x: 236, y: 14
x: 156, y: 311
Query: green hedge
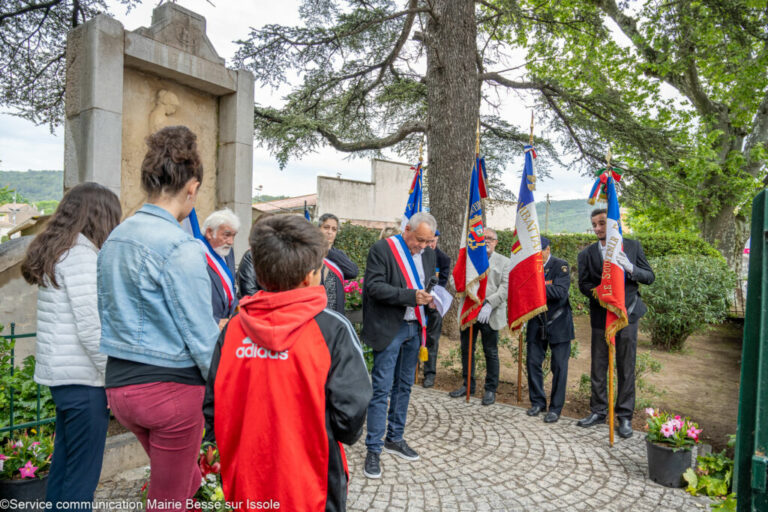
x: 355, y: 241
x: 568, y: 246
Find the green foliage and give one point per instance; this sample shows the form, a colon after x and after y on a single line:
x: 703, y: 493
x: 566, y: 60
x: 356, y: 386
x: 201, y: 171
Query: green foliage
x: 665, y: 428
x: 264, y: 198
x: 35, y: 186
x: 24, y: 388
x: 353, y: 294
x: 568, y: 246
x: 713, y: 477
x: 356, y: 241
x: 7, y: 195
x: 694, y: 158
x: 28, y: 454
x: 690, y: 293
x: 47, y: 207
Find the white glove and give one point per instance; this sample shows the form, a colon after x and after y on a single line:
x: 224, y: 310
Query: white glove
x: 624, y: 262
x: 485, y: 314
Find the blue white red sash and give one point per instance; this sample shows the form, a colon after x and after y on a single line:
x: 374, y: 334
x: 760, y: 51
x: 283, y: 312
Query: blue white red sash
x: 219, y: 266
x: 411, y: 275
x: 334, y: 268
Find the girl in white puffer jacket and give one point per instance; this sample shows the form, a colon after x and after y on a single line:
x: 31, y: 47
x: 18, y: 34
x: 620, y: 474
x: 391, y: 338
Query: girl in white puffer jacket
x: 62, y: 262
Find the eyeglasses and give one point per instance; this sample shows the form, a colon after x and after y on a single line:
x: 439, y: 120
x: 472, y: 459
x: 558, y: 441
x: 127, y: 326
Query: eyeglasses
x: 491, y: 239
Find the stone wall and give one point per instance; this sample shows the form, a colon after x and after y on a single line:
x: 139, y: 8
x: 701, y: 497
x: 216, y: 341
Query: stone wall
x: 18, y: 300
x: 151, y: 103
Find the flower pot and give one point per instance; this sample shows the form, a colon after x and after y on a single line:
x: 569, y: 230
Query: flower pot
x: 667, y: 464
x: 28, y: 490
x: 356, y: 317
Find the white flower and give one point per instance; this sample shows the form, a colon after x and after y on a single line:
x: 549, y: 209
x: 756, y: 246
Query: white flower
x: 211, y: 477
x: 2, y: 463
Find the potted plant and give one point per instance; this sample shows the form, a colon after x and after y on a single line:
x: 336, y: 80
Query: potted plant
x: 668, y: 443
x: 353, y: 297
x: 24, y: 464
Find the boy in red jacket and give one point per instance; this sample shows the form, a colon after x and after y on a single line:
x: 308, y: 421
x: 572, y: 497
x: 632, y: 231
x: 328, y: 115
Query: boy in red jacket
x: 288, y: 382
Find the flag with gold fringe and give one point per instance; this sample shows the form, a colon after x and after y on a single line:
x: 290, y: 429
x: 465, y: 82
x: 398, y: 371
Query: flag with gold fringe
x: 527, y: 294
x: 610, y: 291
x: 470, y: 275
x: 415, y: 196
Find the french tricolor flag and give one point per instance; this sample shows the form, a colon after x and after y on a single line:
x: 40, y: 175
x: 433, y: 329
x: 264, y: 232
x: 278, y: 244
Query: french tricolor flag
x: 610, y: 291
x: 470, y: 275
x: 527, y: 294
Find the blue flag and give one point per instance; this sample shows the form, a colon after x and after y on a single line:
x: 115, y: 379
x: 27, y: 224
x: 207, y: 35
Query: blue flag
x: 414, y: 197
x: 306, y: 212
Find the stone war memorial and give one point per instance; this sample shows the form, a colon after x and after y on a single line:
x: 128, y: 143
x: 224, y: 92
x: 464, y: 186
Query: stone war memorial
x: 124, y: 85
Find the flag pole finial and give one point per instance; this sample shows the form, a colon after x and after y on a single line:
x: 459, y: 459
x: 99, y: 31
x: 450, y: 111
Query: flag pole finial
x: 421, y: 150
x: 530, y: 141
x: 477, y: 138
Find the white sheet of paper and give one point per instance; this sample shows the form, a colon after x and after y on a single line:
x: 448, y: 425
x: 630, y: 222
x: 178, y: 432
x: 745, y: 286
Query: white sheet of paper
x: 443, y: 299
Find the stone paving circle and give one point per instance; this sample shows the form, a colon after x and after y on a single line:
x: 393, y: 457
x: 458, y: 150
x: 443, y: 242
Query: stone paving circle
x: 496, y: 458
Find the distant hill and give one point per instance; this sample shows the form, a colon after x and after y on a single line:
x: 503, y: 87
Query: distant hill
x: 569, y: 216
x: 35, y: 185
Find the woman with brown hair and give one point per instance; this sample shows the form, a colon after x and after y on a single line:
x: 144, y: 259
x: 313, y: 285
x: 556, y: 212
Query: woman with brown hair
x: 157, y: 327
x: 62, y: 262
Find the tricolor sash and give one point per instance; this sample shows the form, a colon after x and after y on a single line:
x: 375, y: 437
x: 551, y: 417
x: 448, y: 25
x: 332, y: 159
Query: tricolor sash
x: 191, y: 225
x: 219, y: 266
x: 334, y: 268
x: 411, y: 275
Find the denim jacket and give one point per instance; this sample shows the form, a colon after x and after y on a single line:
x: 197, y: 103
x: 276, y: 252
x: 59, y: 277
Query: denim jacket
x: 155, y: 294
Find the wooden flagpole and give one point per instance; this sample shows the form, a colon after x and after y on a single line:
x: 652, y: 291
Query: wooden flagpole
x: 520, y: 336
x: 611, y: 357
x: 469, y: 354
x: 418, y: 360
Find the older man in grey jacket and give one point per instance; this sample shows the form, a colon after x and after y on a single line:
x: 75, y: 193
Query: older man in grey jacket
x: 492, y: 318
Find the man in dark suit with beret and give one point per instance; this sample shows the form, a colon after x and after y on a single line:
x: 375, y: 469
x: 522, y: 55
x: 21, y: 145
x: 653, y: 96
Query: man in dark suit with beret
x: 391, y: 327
x: 637, y: 270
x: 552, y: 329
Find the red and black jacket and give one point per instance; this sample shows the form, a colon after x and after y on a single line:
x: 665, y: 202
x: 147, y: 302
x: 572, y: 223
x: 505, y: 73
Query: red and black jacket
x: 287, y: 386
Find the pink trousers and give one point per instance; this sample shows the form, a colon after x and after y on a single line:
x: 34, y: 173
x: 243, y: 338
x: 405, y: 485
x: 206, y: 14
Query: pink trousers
x: 167, y: 419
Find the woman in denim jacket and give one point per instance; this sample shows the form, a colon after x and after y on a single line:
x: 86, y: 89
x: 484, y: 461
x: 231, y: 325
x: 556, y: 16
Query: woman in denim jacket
x: 157, y: 330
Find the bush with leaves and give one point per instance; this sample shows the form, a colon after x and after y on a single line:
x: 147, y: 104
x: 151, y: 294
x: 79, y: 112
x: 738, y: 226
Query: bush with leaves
x: 690, y: 293
x: 25, y: 389
x: 713, y: 477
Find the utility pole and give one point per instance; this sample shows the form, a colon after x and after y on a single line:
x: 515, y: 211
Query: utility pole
x: 546, y: 216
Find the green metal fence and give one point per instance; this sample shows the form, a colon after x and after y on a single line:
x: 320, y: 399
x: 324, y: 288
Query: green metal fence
x: 751, y: 460
x: 12, y: 398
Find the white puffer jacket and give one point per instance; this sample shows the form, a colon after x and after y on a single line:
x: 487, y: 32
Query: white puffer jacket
x: 68, y: 326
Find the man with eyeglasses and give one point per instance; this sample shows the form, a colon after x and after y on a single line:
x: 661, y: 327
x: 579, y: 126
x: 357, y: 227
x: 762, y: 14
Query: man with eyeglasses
x: 492, y: 317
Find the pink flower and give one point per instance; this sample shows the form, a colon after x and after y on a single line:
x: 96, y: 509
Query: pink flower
x: 19, y: 444
x: 649, y: 411
x: 28, y: 470
x: 667, y: 429
x: 676, y: 423
x: 3, y: 456
x: 693, y: 433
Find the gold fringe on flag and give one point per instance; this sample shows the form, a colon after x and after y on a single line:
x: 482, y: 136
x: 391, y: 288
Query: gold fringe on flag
x: 518, y: 324
x: 621, y: 322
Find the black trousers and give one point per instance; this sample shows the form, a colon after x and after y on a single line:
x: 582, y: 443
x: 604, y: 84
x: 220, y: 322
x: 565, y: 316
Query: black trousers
x: 537, y: 350
x: 626, y: 353
x: 434, y: 326
x: 491, y: 350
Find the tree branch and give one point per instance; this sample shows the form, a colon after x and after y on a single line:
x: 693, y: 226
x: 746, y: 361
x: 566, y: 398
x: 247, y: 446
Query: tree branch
x: 493, y: 76
x: 29, y: 8
x: 350, y: 147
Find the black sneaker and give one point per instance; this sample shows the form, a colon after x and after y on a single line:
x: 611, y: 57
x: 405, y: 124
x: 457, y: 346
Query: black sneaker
x: 372, y: 467
x: 401, y: 449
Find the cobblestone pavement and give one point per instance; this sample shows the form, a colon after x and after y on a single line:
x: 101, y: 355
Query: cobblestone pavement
x: 497, y: 458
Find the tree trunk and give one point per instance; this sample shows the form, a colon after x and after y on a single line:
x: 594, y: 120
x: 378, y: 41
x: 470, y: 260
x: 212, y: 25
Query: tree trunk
x: 727, y: 232
x: 452, y: 109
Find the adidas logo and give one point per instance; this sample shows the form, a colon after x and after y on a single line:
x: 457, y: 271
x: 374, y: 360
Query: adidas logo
x: 250, y: 349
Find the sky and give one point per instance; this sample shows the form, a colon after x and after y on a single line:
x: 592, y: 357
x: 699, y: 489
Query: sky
x: 24, y: 146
